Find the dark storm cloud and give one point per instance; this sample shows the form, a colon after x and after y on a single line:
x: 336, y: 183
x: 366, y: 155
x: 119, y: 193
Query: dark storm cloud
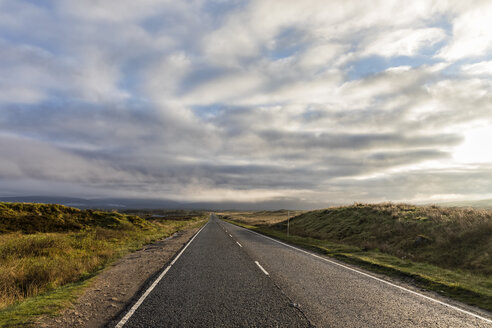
x: 356, y: 141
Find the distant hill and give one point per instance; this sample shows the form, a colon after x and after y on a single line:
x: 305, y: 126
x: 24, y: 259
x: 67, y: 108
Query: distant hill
x: 484, y: 203
x: 102, y: 203
x: 136, y: 203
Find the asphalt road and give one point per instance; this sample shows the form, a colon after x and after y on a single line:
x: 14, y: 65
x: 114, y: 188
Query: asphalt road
x: 216, y: 283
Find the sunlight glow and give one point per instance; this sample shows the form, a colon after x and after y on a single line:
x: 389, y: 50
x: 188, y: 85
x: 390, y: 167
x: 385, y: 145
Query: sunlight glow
x: 476, y: 147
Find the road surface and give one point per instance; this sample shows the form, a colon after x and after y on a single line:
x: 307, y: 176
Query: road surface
x: 231, y: 277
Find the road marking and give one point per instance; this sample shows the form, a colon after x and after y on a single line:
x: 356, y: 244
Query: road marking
x: 259, y: 265
x: 147, y: 292
x: 370, y: 276
x: 239, y: 244
x: 230, y: 235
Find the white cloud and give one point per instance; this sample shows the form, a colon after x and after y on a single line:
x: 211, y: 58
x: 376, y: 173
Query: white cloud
x: 99, y: 77
x: 115, y: 10
x: 228, y: 45
x: 471, y: 32
x: 164, y: 78
x: 363, y: 93
x: 483, y: 68
x: 229, y: 88
x: 405, y: 42
x: 322, y: 56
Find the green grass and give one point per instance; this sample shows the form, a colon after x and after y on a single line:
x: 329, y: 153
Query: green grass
x: 41, y: 271
x: 452, y: 256
x: 50, y: 303
x: 449, y: 238
x: 35, y: 218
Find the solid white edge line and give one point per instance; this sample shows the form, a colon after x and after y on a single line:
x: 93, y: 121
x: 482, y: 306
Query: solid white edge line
x: 373, y: 277
x: 149, y: 290
x: 239, y: 244
x: 259, y: 265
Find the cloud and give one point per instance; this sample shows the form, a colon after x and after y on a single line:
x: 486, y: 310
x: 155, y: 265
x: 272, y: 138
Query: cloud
x: 405, y: 42
x: 483, y: 68
x: 25, y: 73
x: 309, y: 101
x: 31, y: 159
x: 471, y: 32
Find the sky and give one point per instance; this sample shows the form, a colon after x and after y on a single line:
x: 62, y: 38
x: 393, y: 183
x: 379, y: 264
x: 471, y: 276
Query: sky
x: 313, y: 101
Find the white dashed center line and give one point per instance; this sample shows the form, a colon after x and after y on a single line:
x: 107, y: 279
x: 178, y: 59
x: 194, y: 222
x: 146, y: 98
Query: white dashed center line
x: 264, y: 271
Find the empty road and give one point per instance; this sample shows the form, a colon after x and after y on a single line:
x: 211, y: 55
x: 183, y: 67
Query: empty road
x: 228, y: 276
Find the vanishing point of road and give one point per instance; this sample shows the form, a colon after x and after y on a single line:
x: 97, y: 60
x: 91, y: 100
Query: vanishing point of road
x: 227, y: 276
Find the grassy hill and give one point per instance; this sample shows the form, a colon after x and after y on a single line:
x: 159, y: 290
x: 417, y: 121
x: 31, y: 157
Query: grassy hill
x: 44, y: 247
x: 33, y: 218
x: 448, y: 237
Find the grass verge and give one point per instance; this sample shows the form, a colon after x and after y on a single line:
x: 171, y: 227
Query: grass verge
x: 463, y: 286
x: 24, y: 313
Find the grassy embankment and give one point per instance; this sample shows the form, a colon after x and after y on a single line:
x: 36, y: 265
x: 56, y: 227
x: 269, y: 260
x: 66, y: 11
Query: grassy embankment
x: 49, y: 252
x: 448, y: 250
